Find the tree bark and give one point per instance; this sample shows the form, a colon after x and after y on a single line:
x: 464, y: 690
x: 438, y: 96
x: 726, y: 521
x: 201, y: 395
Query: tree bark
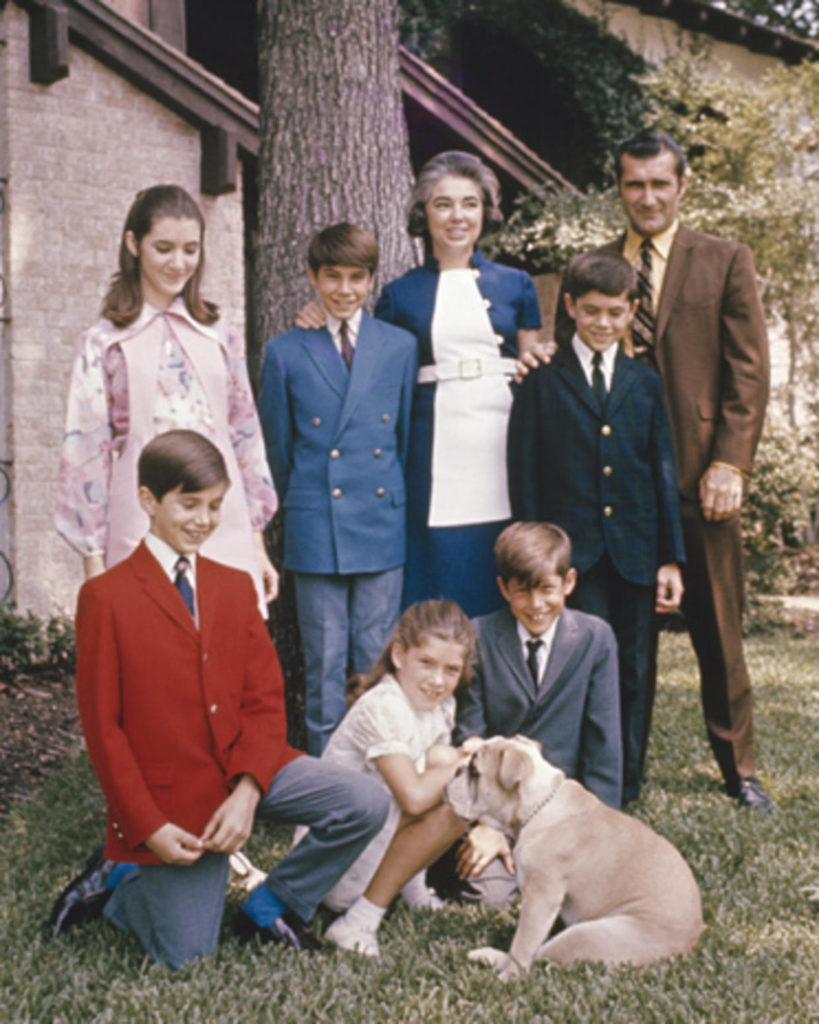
x: 333, y: 141
x: 333, y: 147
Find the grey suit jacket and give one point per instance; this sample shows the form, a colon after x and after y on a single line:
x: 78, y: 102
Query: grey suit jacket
x: 574, y: 713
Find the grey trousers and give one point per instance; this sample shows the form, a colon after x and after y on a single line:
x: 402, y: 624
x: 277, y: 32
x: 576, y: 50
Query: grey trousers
x: 176, y: 912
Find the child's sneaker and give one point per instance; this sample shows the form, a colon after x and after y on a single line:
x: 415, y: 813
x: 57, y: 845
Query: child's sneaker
x: 353, y: 938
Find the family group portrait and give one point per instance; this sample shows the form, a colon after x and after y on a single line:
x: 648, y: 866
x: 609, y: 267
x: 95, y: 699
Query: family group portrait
x: 409, y: 498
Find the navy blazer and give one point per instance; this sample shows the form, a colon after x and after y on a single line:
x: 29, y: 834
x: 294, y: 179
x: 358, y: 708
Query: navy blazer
x: 608, y: 477
x: 574, y: 713
x: 337, y: 442
x: 509, y: 294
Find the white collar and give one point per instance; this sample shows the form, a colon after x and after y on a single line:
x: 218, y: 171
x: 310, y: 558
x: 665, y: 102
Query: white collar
x: 353, y: 325
x: 167, y: 557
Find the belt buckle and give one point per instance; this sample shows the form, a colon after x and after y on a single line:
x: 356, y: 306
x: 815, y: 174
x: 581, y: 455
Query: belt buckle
x: 469, y: 369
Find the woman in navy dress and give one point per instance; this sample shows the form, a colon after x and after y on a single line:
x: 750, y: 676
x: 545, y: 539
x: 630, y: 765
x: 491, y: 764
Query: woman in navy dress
x: 473, y: 319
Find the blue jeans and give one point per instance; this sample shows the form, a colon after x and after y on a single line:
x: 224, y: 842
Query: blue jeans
x: 176, y: 912
x: 344, y: 622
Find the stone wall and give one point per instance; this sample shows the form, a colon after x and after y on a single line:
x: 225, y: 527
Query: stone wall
x: 76, y: 152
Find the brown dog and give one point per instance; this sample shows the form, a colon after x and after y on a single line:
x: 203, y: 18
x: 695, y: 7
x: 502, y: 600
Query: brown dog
x: 624, y: 893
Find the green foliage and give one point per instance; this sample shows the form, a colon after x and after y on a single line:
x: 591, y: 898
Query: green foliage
x: 591, y: 74
x: 756, y: 962
x: 29, y: 646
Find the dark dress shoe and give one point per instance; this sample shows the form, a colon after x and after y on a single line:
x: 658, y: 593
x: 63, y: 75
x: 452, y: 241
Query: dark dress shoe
x: 84, y: 897
x: 287, y: 930
x: 752, y: 794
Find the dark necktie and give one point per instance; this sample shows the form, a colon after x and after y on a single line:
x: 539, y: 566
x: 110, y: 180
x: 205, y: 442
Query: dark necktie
x: 346, y: 344
x: 183, y: 583
x: 533, y: 647
x: 599, y: 381
x: 643, y: 325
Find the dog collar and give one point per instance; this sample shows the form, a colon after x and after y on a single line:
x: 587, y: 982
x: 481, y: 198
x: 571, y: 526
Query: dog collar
x: 547, y: 799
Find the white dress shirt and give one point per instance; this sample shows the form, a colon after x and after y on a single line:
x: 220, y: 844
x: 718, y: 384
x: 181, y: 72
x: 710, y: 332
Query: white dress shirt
x: 586, y: 355
x: 543, y: 652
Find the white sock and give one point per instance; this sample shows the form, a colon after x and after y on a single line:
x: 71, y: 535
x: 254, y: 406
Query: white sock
x: 365, y: 915
x: 416, y: 891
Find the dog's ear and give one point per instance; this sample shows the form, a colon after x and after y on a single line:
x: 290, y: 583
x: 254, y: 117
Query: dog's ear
x: 514, y: 767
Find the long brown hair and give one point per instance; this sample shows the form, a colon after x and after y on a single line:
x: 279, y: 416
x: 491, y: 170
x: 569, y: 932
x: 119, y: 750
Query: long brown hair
x: 442, y: 619
x: 123, y: 301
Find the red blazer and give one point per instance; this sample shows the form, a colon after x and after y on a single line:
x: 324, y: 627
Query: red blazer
x: 173, y: 715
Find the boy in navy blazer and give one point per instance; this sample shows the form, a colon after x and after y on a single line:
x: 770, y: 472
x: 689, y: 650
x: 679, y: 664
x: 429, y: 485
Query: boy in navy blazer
x: 590, y: 449
x: 335, y: 411
x: 545, y: 672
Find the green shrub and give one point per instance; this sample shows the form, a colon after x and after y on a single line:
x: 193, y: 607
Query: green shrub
x: 29, y: 646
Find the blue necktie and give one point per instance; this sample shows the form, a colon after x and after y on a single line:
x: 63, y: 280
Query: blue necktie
x: 183, y: 584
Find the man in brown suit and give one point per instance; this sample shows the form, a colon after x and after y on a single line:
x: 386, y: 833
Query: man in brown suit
x: 702, y: 325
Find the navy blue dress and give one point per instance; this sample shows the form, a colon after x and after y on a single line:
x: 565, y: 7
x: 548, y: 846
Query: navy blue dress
x: 454, y: 562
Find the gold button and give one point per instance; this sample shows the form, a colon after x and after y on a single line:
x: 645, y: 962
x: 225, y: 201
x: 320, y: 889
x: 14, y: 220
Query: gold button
x: 608, y: 510
x: 316, y: 421
x: 380, y: 492
x: 607, y: 470
x: 214, y: 708
x: 385, y: 417
x: 336, y: 492
x: 377, y: 453
x: 605, y: 430
x: 334, y: 454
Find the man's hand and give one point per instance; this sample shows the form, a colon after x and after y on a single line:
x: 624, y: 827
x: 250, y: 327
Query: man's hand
x: 231, y: 823
x: 669, y: 588
x: 479, y: 848
x: 720, y: 492
x: 173, y: 845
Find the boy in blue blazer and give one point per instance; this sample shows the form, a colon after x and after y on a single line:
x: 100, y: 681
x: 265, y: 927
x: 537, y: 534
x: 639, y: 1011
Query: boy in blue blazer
x: 335, y: 411
x: 590, y: 449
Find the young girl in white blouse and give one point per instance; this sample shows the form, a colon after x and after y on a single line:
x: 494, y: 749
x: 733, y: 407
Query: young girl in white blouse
x: 399, y: 730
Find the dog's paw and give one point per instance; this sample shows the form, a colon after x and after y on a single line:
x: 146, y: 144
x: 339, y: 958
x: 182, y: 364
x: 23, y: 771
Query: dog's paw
x: 490, y: 956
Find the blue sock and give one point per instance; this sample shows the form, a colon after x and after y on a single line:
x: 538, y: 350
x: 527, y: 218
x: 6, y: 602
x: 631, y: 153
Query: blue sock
x: 118, y: 873
x: 262, y: 907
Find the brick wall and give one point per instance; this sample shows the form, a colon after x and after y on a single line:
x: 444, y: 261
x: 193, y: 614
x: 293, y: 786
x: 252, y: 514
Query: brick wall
x: 77, y: 152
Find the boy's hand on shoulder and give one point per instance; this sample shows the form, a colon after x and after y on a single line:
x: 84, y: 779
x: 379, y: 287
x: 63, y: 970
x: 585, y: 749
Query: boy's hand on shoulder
x: 669, y: 588
x: 479, y: 849
x: 311, y: 317
x: 174, y: 845
x: 231, y: 823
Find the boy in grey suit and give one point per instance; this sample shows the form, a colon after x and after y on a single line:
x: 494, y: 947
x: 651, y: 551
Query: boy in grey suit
x: 545, y: 672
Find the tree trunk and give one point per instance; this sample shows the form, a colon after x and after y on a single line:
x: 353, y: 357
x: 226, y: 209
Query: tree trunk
x: 333, y: 142
x: 333, y: 147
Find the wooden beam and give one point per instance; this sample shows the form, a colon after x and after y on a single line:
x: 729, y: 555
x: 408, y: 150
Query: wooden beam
x: 48, y: 44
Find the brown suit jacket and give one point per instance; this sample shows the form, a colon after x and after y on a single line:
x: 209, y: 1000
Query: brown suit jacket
x: 712, y: 351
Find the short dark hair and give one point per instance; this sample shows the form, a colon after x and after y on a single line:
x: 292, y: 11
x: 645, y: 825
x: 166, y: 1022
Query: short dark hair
x: 180, y: 458
x: 646, y: 144
x: 343, y: 245
x: 457, y: 164
x: 607, y: 273
x: 529, y: 552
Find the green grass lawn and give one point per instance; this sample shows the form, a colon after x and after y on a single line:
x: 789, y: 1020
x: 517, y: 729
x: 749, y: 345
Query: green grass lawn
x: 757, y: 962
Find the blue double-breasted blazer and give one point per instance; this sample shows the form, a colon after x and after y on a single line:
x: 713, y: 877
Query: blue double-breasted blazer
x: 574, y: 712
x: 607, y: 476
x: 336, y: 442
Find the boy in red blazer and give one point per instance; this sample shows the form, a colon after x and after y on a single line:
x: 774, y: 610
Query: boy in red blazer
x: 180, y: 695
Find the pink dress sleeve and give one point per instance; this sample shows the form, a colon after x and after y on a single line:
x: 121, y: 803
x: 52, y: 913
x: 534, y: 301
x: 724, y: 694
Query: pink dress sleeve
x: 246, y: 435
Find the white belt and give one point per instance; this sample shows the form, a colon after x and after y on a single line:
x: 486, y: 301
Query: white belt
x: 467, y: 369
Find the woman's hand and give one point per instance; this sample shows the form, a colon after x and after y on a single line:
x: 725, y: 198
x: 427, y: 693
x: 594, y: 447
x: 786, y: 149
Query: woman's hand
x: 532, y: 352
x: 270, y: 578
x: 311, y: 317
x: 93, y: 565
